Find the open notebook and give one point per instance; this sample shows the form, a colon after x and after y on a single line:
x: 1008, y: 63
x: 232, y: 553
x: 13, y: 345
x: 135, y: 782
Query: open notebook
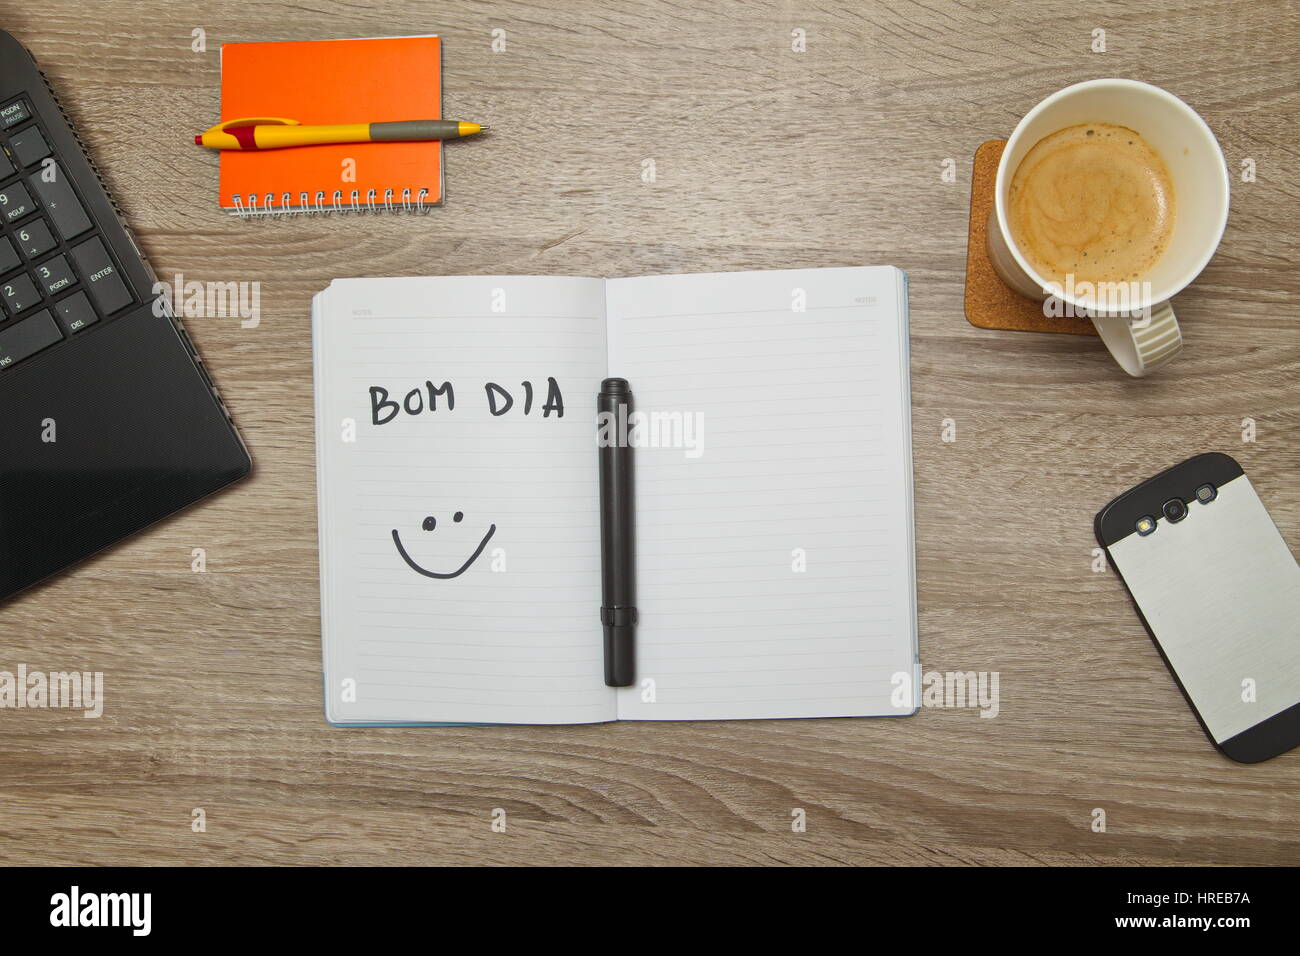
x: 456, y: 429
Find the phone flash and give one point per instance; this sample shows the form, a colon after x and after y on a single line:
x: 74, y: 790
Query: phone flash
x: 1206, y: 493
x: 1145, y: 525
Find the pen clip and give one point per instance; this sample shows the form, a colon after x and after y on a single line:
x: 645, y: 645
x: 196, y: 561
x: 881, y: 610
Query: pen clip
x: 253, y: 121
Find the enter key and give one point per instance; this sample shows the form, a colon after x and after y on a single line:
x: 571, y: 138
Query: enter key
x: 100, y: 274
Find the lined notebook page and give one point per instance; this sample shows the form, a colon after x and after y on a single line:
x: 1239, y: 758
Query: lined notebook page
x: 775, y: 570
x: 515, y: 638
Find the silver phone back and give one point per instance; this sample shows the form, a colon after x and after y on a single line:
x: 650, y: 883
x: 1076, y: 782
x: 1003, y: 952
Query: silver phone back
x: 1220, y: 592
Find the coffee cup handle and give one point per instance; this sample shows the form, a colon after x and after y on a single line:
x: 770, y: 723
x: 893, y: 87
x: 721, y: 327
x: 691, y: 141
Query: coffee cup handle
x: 1141, y: 345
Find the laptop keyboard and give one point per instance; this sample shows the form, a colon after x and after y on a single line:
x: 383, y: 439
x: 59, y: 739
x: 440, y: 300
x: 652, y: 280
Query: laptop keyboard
x: 57, y: 278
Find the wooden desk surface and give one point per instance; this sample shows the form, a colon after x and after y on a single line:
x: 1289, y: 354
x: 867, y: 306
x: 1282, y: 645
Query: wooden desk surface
x: 213, y: 680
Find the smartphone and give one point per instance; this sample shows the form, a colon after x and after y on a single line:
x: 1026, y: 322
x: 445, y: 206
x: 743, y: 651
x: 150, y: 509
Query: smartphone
x: 1218, y: 590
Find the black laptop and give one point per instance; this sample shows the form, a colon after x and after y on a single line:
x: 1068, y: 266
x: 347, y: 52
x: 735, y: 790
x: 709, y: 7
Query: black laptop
x: 108, y: 419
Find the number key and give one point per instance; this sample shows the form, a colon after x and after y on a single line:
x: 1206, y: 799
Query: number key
x: 55, y: 275
x: 24, y: 339
x: 20, y: 293
x: 34, y: 238
x: 15, y: 202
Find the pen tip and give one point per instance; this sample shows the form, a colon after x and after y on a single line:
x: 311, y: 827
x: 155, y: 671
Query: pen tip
x: 198, y: 140
x: 484, y: 129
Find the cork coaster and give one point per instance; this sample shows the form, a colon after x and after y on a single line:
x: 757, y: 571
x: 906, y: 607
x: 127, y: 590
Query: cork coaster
x: 989, y: 303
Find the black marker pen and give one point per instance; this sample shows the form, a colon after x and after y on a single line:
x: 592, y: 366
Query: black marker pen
x: 617, y: 518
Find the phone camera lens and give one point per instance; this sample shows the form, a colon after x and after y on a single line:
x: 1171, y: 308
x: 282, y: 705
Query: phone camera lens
x: 1175, y: 509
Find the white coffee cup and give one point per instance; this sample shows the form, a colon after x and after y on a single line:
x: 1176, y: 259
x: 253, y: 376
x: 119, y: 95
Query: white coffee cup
x: 1141, y: 331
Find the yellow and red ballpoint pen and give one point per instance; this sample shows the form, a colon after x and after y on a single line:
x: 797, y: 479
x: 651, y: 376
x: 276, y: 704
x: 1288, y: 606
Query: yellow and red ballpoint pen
x: 278, y: 133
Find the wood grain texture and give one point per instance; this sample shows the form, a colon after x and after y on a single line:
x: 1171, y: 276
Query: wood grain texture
x: 765, y: 158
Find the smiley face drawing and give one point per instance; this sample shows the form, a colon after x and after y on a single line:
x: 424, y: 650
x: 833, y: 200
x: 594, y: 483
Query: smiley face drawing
x: 429, y: 524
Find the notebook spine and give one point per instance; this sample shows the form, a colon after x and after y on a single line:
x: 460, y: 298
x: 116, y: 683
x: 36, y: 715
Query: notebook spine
x: 339, y: 202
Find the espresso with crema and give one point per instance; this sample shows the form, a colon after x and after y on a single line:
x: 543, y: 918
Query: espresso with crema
x: 1093, y: 201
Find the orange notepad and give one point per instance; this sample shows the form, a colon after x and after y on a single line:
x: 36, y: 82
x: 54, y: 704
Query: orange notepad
x: 333, y: 81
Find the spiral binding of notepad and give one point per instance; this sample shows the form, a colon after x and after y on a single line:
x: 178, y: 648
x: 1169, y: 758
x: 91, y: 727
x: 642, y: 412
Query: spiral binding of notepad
x: 270, y: 205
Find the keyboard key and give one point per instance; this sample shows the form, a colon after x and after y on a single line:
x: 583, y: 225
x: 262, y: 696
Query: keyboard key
x: 24, y: 339
x: 19, y: 293
x: 55, y: 275
x: 75, y: 312
x: 13, y: 114
x: 6, y: 167
x: 29, y: 146
x: 8, y: 258
x: 106, y: 286
x: 15, y: 203
x: 60, y: 201
x: 34, y: 238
